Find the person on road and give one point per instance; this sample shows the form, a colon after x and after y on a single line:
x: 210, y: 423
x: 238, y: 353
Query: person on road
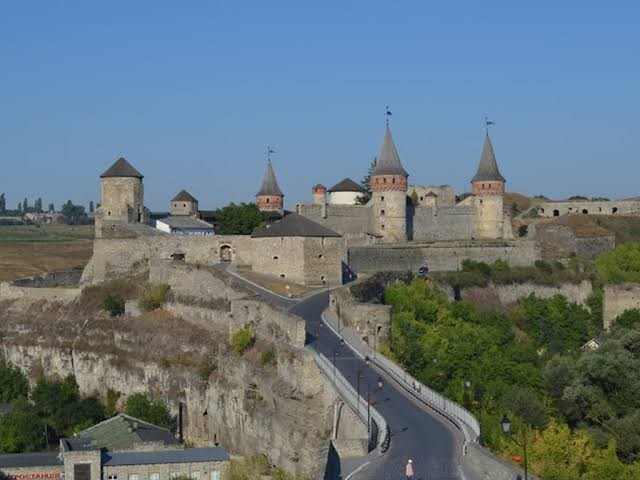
x: 408, y: 470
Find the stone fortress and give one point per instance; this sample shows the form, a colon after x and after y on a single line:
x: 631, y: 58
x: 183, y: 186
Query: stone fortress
x: 400, y: 227
x: 395, y: 214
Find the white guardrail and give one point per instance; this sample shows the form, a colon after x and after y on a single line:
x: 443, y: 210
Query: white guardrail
x: 379, y: 432
x: 464, y: 420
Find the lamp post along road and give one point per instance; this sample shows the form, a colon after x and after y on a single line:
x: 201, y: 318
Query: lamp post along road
x: 506, y: 428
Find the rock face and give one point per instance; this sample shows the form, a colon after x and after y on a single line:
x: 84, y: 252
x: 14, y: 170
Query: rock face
x: 182, y: 354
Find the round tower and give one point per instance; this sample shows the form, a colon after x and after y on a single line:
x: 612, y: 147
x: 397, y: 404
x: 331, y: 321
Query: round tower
x: 488, y: 190
x: 319, y: 194
x: 121, y: 196
x: 389, y: 186
x: 270, y: 197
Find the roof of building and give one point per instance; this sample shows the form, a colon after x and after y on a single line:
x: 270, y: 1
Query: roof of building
x: 184, y: 196
x: 431, y: 194
x: 488, y: 168
x: 119, y: 432
x: 121, y: 168
x: 388, y: 162
x: 183, y: 221
x: 347, y: 185
x: 295, y: 225
x: 187, y: 455
x: 40, y: 459
x: 269, y: 183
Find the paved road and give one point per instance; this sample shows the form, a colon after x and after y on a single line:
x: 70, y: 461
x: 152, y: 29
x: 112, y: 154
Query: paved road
x: 416, y: 432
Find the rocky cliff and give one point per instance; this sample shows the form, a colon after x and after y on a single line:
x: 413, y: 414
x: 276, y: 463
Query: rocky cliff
x: 182, y: 354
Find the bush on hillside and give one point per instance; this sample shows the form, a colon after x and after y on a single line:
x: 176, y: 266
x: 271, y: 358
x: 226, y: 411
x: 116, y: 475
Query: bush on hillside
x: 114, y: 304
x: 243, y: 339
x: 140, y: 405
x: 154, y: 298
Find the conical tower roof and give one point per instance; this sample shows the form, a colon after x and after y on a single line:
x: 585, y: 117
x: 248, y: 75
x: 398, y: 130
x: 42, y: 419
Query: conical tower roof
x: 488, y: 169
x: 269, y: 183
x: 388, y: 162
x: 121, y: 168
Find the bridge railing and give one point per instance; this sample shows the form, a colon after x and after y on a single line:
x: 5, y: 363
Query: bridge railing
x: 464, y: 420
x: 379, y: 432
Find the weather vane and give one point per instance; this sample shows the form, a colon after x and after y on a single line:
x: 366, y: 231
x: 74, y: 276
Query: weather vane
x: 269, y: 152
x: 387, y: 113
x: 488, y: 123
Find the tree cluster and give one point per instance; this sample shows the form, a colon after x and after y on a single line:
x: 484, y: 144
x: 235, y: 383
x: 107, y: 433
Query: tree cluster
x: 241, y: 219
x: 38, y: 418
x: 530, y: 362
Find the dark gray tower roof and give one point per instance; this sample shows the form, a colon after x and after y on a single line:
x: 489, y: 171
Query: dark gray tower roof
x: 388, y: 162
x: 184, y: 196
x: 121, y: 168
x: 488, y: 169
x: 347, y: 185
x: 269, y: 183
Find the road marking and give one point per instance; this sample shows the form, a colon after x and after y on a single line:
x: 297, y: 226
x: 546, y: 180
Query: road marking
x: 357, y: 470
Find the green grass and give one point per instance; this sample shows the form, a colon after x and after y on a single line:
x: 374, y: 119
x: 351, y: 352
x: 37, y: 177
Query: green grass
x: 625, y: 228
x: 45, y: 233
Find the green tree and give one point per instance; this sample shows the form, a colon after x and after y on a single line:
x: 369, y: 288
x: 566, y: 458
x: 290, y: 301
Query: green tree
x: 37, y: 207
x: 3, y: 204
x: 621, y: 265
x: 25, y: 205
x: 243, y: 339
x: 141, y: 406
x: 91, y: 207
x: 59, y: 405
x: 366, y: 184
x: 21, y: 430
x: 240, y: 219
x: 74, y: 214
x: 414, y: 198
x: 51, y: 207
x: 19, y: 209
x: 114, y: 304
x: 628, y: 319
x: 13, y: 384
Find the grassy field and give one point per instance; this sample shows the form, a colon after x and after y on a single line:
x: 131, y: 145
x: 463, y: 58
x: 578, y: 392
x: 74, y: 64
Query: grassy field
x: 28, y: 250
x: 45, y: 233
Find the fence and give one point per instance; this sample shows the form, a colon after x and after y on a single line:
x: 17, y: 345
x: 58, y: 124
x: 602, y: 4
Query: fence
x: 379, y: 432
x: 461, y: 417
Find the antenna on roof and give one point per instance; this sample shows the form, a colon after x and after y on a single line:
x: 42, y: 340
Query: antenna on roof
x: 387, y: 114
x: 269, y: 152
x: 487, y: 124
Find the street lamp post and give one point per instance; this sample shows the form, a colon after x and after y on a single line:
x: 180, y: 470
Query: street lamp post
x: 506, y: 429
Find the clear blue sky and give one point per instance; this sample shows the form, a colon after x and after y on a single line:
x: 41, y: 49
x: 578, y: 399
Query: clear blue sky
x: 193, y: 92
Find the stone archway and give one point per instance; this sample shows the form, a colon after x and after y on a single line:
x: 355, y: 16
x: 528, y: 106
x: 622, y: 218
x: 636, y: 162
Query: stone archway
x: 226, y: 253
x: 585, y: 211
x: 556, y: 213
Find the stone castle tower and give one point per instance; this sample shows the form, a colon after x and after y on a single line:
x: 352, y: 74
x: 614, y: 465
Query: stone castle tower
x: 121, y: 196
x: 270, y: 198
x: 388, y: 186
x: 488, y: 190
x: 184, y: 204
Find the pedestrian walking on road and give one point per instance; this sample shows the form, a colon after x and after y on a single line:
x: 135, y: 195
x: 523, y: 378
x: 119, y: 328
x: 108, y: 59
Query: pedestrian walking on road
x: 408, y: 470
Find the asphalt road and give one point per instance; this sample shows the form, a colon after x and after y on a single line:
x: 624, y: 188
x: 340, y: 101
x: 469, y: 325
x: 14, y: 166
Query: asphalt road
x: 417, y: 433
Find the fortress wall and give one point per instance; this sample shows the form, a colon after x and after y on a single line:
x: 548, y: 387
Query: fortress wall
x: 443, y: 223
x: 546, y: 209
x: 113, y: 257
x: 52, y: 286
x: 560, y: 241
x: 617, y: 299
x: 323, y: 259
x: 281, y: 257
x: 446, y: 194
x: 345, y: 219
x: 440, y: 256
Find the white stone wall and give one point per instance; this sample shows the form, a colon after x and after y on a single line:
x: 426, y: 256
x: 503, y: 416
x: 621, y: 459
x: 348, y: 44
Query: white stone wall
x: 489, y: 216
x: 390, y: 215
x: 343, y: 198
